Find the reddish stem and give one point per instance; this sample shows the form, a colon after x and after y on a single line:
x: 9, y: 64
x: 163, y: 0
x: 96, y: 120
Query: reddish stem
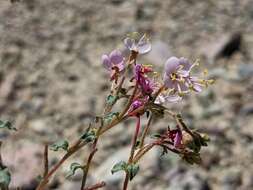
x: 137, y: 129
x: 96, y: 186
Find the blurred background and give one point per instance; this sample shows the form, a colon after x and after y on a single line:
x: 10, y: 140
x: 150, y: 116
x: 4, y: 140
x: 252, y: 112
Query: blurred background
x: 52, y: 84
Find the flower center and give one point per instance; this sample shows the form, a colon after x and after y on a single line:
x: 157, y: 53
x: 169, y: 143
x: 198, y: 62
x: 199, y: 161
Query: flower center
x: 173, y: 76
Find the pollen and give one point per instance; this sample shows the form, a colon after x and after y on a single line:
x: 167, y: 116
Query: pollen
x: 173, y: 76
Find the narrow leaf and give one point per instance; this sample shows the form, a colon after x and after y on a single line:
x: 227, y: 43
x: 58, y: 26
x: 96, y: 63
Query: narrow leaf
x: 73, y: 167
x: 119, y: 166
x: 109, y: 117
x: 132, y: 170
x: 7, y: 125
x: 110, y: 100
x: 62, y: 144
x: 89, y: 135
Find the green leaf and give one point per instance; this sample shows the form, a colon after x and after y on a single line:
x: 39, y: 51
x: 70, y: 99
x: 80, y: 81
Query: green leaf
x: 73, y: 167
x: 132, y: 170
x: 89, y: 135
x: 7, y: 125
x: 110, y: 100
x: 109, y: 117
x: 62, y: 144
x: 192, y: 157
x: 155, y: 136
x: 5, y: 178
x: 122, y: 165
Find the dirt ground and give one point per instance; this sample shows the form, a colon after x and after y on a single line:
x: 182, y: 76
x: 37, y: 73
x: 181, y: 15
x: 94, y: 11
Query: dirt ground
x: 52, y: 84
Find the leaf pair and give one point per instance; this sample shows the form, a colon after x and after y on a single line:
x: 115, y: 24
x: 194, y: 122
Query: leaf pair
x: 73, y: 167
x: 61, y: 144
x: 7, y: 125
x: 132, y: 169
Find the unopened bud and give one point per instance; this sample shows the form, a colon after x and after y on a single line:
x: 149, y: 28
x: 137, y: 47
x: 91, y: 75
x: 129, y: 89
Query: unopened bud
x: 187, y: 138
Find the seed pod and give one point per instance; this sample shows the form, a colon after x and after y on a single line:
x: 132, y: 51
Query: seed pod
x: 187, y: 139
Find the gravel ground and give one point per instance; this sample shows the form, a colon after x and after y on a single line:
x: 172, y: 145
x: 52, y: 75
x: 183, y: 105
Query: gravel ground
x: 52, y: 84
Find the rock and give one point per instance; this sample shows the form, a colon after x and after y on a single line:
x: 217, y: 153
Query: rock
x: 232, y: 179
x: 70, y: 185
x: 188, y: 180
x: 223, y: 47
x: 41, y: 127
x: 247, y: 109
x: 230, y: 46
x: 24, y: 160
x: 245, y: 70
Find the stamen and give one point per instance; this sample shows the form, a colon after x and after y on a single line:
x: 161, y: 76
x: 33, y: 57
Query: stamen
x: 173, y: 76
x: 211, y: 81
x: 205, y: 72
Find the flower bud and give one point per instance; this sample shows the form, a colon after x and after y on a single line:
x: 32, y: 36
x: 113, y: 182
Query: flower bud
x: 187, y: 139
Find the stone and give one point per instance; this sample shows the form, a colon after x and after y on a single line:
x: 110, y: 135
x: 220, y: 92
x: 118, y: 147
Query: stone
x: 245, y: 71
x: 24, y: 160
x: 223, y: 47
x: 188, y: 180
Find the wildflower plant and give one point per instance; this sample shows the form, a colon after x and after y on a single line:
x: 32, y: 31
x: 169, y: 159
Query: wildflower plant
x: 145, y: 94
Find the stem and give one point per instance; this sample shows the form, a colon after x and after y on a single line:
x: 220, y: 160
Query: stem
x: 130, y: 100
x: 180, y: 122
x: 109, y: 108
x: 79, y: 144
x: 143, y: 151
x: 1, y: 160
x: 126, y: 181
x: 145, y: 132
x: 71, y: 151
x: 85, y: 173
x: 113, y: 123
x: 45, y: 161
x: 96, y: 186
x: 158, y: 92
x: 137, y: 129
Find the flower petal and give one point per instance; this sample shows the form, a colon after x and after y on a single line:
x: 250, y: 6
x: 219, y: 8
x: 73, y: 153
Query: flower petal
x: 160, y: 99
x: 116, y: 57
x: 184, y: 73
x: 178, y: 139
x: 168, y: 83
x: 144, y: 45
x: 130, y: 43
x: 183, y: 87
x: 106, y: 62
x: 171, y: 65
x: 197, y: 87
x: 173, y: 98
x: 185, y: 63
x: 121, y: 66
